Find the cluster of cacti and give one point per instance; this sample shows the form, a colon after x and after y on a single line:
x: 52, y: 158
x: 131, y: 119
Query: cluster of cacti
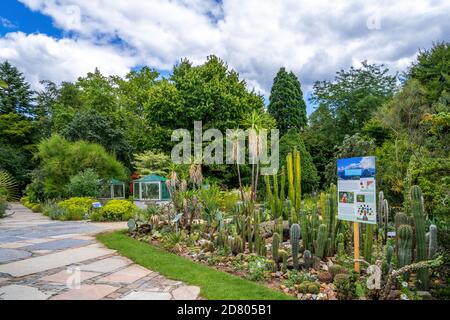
x: 309, y: 287
x: 387, y: 261
x: 236, y: 244
x: 321, y: 241
x: 310, y: 223
x: 283, y: 256
x: 295, y: 243
x: 340, y: 244
x: 275, y: 198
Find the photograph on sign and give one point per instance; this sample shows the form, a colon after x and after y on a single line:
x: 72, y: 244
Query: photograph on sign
x: 356, y: 187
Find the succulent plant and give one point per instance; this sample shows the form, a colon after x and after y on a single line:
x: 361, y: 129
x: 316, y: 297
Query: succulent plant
x: 131, y: 225
x: 295, y: 239
x: 307, y: 257
x: 284, y: 257
x: 275, y: 246
x: 432, y: 242
x: 417, y: 210
x: 321, y: 241
x: 405, y: 234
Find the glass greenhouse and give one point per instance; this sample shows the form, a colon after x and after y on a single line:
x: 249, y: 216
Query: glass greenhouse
x: 113, y: 189
x: 151, y: 187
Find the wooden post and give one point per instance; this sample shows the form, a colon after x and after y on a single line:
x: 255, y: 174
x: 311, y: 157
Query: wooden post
x: 356, y: 242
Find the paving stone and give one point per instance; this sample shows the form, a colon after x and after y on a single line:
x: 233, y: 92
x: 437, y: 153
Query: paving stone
x: 38, y: 240
x: 105, y: 265
x: 51, y: 261
x: 12, y: 254
x: 127, y: 275
x: 146, y: 295
x: 21, y: 292
x: 41, y: 252
x: 62, y: 276
x: 13, y: 245
x: 3, y: 280
x: 58, y: 244
x: 186, y: 293
x: 86, y: 292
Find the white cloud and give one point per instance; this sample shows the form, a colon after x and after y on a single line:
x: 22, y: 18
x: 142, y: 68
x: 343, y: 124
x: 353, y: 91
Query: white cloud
x: 41, y: 57
x: 314, y: 39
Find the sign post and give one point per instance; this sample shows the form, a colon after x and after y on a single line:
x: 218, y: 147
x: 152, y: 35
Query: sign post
x: 356, y: 188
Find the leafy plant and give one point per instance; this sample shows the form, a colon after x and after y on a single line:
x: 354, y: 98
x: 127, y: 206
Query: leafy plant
x: 84, y: 184
x: 114, y: 210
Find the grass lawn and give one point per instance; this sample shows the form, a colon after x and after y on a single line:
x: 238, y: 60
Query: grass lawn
x: 214, y: 284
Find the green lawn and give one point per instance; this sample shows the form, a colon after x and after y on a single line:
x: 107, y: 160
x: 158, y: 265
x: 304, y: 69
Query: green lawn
x: 214, y: 284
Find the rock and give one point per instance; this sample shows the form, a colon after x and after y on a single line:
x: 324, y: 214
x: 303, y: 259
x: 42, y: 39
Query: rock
x: 186, y: 293
x: 300, y: 296
x: 394, y: 295
x: 330, y: 263
x: 425, y: 295
x: 322, y: 296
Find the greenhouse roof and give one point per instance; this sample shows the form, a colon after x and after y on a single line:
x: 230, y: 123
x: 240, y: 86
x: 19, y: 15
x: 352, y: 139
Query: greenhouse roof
x: 115, y: 182
x: 150, y: 177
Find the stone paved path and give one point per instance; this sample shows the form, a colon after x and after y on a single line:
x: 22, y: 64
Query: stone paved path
x: 43, y: 259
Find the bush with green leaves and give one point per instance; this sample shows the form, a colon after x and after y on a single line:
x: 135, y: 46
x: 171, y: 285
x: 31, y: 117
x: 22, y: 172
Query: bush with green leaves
x: 3, y: 204
x: 114, y: 210
x: 75, y: 208
x: 84, y: 184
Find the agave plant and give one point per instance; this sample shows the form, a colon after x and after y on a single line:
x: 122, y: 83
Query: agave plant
x: 8, y: 186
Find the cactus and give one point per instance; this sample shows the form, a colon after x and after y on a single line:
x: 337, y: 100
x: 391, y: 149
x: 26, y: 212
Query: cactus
x: 399, y: 219
x: 298, y: 179
x: 386, y: 218
x: 307, y: 257
x: 380, y: 208
x: 432, y: 242
x: 340, y: 244
x: 368, y: 243
x: 321, y: 241
x: 405, y: 234
x: 275, y: 246
x: 389, y: 252
x: 236, y: 245
x: 283, y: 256
x: 295, y: 239
x: 290, y: 175
x: 419, y: 224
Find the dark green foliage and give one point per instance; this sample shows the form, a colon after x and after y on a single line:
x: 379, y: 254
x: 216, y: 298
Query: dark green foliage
x: 84, y: 184
x: 16, y: 95
x: 286, y: 102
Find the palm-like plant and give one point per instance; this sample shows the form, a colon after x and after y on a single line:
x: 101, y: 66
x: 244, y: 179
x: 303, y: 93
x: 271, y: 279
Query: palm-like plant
x: 256, y: 122
x: 8, y: 186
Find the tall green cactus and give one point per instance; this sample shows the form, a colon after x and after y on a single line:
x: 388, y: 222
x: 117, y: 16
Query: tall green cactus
x: 275, y: 246
x: 380, y: 208
x: 432, y: 242
x: 405, y: 234
x: 295, y: 239
x: 368, y: 243
x: 340, y: 244
x: 419, y: 223
x: 321, y: 241
x: 298, y: 179
x: 386, y: 218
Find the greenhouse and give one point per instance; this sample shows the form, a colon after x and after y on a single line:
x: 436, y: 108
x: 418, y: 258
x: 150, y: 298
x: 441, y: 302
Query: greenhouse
x: 151, y: 187
x: 113, y: 189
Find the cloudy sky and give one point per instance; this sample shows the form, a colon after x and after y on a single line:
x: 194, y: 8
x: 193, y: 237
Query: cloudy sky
x: 63, y: 39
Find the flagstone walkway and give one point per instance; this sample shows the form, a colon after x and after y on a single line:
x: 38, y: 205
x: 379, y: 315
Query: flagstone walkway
x: 43, y: 259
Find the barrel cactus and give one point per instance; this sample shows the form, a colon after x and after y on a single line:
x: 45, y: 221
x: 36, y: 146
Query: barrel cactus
x: 295, y: 239
x: 307, y: 257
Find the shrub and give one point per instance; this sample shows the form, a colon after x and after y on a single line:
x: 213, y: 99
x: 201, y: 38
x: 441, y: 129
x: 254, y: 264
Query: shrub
x: 84, y: 184
x: 75, y: 208
x: 53, y: 211
x: 36, y: 208
x: 114, y: 210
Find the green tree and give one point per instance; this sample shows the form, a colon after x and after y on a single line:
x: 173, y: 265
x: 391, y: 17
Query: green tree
x: 61, y: 159
x: 152, y: 162
x: 16, y: 95
x: 432, y: 70
x: 354, y: 96
x: 84, y: 184
x: 286, y: 102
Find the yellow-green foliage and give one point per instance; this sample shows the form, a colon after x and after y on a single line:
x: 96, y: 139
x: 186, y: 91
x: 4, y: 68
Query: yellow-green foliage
x: 75, y: 208
x: 36, y: 208
x: 114, y: 210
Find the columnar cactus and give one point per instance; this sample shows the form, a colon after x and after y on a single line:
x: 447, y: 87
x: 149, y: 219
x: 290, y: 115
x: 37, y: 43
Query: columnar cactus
x: 399, y: 219
x: 295, y: 239
x: 419, y: 223
x: 405, y: 234
x: 380, y: 208
x: 340, y: 244
x: 308, y: 258
x: 321, y: 241
x: 284, y: 257
x: 298, y: 179
x: 386, y: 218
x: 389, y: 252
x: 275, y: 246
x: 432, y: 242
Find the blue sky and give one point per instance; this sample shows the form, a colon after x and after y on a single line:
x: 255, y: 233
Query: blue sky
x: 64, y: 39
